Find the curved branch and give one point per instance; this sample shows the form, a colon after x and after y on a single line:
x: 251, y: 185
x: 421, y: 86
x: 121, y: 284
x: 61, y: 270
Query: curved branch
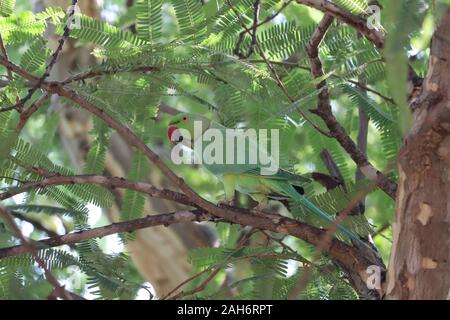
x: 108, y: 182
x: 325, y: 112
x: 21, y: 104
x: 127, y: 226
x: 356, y: 22
x: 340, y: 251
x: 28, y: 246
x: 102, y: 72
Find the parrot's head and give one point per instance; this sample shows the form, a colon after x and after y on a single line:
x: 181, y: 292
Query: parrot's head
x: 186, y: 121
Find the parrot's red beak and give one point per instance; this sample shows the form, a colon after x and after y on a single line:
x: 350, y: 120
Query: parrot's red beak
x: 170, y: 130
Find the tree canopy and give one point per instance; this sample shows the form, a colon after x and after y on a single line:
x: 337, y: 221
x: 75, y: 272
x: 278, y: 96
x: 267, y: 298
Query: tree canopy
x: 338, y: 79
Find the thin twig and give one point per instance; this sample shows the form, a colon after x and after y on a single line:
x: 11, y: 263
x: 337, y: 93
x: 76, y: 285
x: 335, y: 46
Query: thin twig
x: 213, y: 273
x: 363, y: 131
x: 101, y: 72
x: 195, y: 276
x: 287, y: 248
x: 301, y: 284
x: 100, y: 232
x: 29, y: 247
x: 199, y: 288
x: 252, y: 31
x: 325, y: 112
x: 54, y: 179
x: 5, y: 54
x: 368, y: 89
x: 24, y: 116
x: 273, y: 16
x: 356, y: 83
x: 256, y: 25
x: 358, y: 23
x: 382, y: 229
x: 277, y: 77
x: 20, y: 105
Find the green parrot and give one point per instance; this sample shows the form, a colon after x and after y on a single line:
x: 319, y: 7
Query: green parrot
x: 188, y: 129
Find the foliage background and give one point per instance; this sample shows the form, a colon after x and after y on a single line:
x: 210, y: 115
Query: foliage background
x: 190, y: 45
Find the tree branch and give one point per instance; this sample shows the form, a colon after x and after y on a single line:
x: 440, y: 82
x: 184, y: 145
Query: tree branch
x: 5, y: 54
x: 24, y: 116
x: 356, y: 22
x: 127, y: 226
x: 19, y: 105
x: 96, y: 72
x: 325, y: 112
x: 108, y: 182
x: 277, y: 78
x: 345, y: 254
x: 28, y: 246
x: 363, y: 132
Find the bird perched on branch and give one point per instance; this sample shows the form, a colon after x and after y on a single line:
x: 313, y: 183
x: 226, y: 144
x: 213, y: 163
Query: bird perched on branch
x: 260, y: 179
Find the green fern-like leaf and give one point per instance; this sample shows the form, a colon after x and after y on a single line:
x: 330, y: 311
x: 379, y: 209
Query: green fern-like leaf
x: 35, y: 57
x: 95, y: 159
x: 149, y: 19
x: 26, y: 156
x: 102, y: 34
x: 283, y: 40
x: 190, y: 17
x: 4, y: 282
x: 205, y: 257
x: 380, y: 118
x: 23, y: 26
x: 8, y: 139
x: 7, y: 7
x: 133, y: 203
x: 20, y: 27
x: 54, y: 14
x: 355, y: 6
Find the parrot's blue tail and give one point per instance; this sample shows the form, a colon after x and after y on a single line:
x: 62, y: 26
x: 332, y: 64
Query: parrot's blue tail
x: 297, y: 196
x: 322, y: 214
x: 289, y: 190
x: 319, y: 212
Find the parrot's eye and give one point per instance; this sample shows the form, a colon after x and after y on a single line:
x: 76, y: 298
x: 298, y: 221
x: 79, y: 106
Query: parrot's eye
x: 185, y: 119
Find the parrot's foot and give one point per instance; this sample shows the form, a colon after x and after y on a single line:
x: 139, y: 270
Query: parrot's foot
x: 230, y: 202
x: 262, y: 206
x: 262, y: 209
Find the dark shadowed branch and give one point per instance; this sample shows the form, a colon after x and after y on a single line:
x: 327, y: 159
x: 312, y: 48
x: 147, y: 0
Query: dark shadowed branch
x: 360, y: 24
x: 347, y: 255
x: 120, y: 227
x: 324, y: 111
x: 28, y: 246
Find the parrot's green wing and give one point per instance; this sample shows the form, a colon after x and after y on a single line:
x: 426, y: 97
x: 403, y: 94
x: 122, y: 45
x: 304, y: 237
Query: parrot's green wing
x: 287, y: 189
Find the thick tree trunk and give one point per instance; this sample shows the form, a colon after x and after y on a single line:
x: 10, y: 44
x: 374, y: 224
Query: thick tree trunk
x: 420, y: 258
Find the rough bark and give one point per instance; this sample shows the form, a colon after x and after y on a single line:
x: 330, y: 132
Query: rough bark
x: 419, y: 265
x: 159, y: 254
